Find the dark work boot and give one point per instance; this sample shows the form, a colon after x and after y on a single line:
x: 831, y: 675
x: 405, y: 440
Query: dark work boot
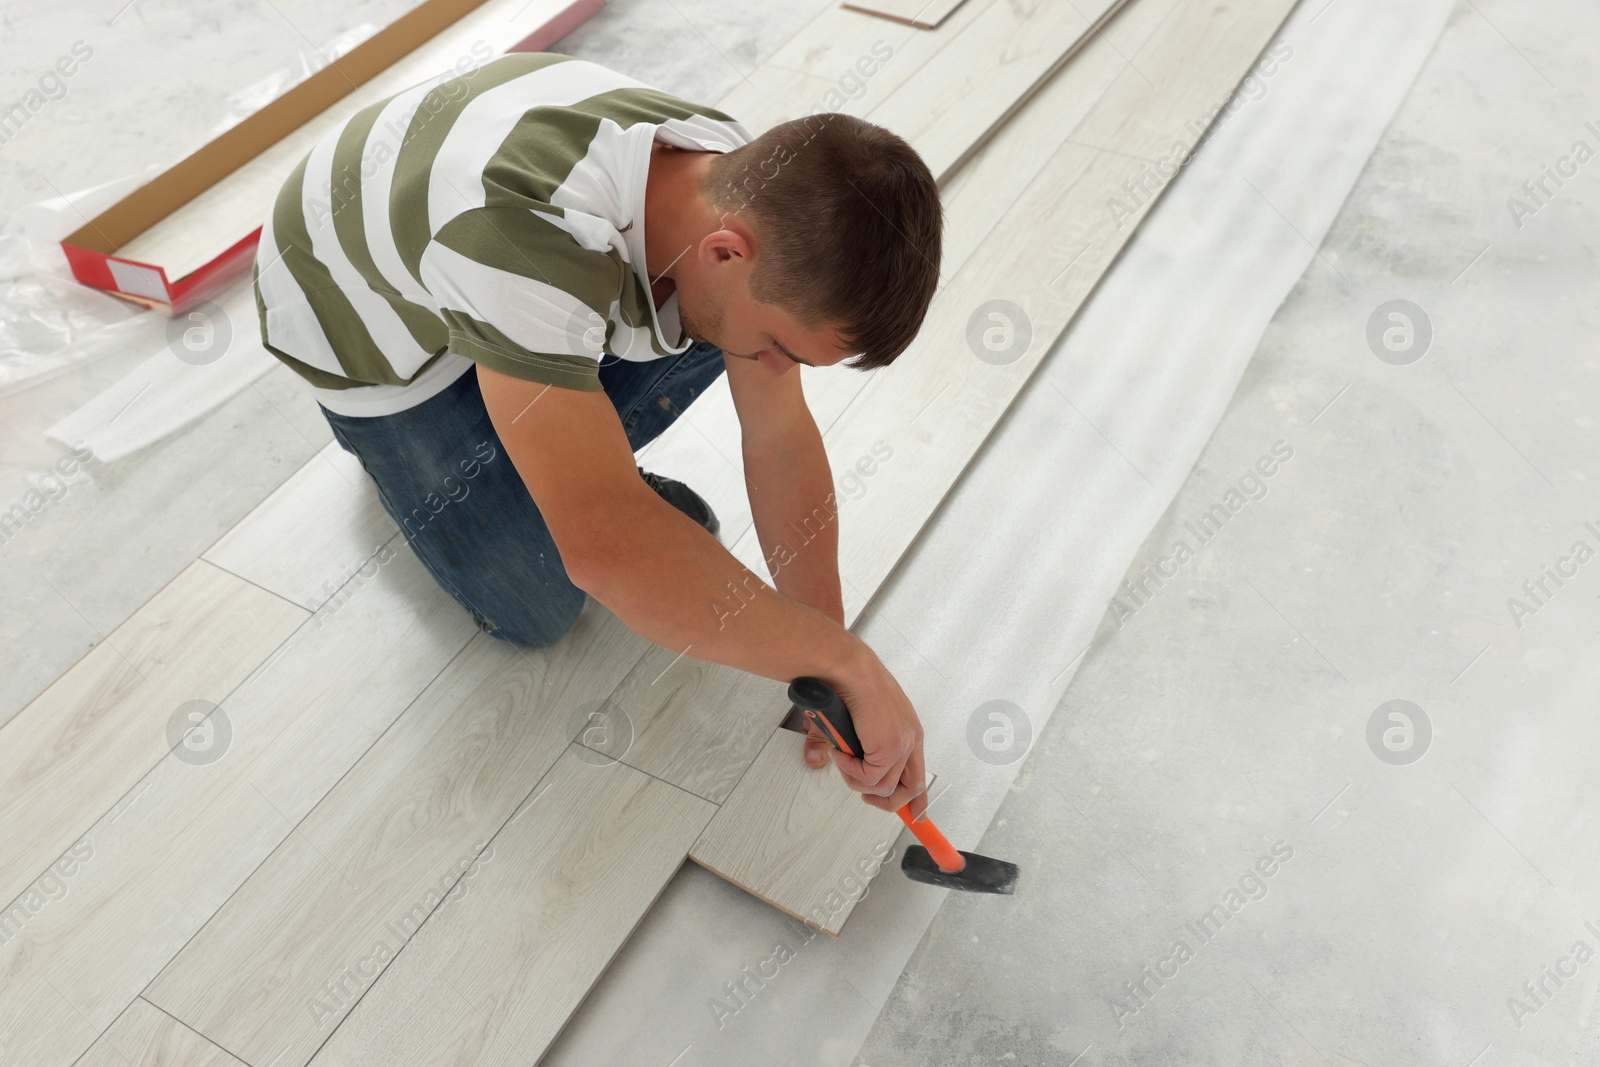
x: 684, y: 499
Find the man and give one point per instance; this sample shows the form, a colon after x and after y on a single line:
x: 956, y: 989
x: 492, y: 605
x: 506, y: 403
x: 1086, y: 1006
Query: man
x: 502, y: 284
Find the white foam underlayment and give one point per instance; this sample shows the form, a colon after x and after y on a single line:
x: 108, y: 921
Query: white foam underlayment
x: 164, y: 393
x: 1008, y: 583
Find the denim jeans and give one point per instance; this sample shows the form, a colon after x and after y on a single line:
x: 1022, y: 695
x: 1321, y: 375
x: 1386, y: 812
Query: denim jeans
x: 443, y: 476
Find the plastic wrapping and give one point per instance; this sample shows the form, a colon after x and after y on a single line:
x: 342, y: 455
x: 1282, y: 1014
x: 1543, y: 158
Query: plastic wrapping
x: 49, y: 322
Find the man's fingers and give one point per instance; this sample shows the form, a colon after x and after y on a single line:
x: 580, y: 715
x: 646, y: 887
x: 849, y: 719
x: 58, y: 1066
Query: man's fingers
x: 865, y: 778
x: 916, y: 778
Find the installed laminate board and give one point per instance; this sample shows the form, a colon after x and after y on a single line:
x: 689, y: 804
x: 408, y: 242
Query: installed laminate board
x: 205, y: 226
x: 131, y: 892
x: 280, y: 965
x: 671, y: 737
x: 146, y: 1036
x: 956, y: 389
x: 690, y: 722
x: 924, y: 13
x: 71, y: 754
x: 492, y: 977
x: 312, y: 534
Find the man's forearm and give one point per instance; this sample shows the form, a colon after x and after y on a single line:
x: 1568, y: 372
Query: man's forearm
x: 796, y: 515
x: 673, y: 584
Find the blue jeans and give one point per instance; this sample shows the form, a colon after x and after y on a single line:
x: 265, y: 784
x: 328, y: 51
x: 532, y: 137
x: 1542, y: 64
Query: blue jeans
x: 443, y: 476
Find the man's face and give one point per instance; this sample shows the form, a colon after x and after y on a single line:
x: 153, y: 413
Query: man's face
x: 715, y: 305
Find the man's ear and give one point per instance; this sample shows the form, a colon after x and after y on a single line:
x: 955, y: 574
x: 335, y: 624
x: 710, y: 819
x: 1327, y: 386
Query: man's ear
x: 732, y: 242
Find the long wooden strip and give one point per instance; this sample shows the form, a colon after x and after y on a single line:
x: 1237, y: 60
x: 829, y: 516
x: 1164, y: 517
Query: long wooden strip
x: 842, y: 61
x: 72, y: 753
x: 146, y: 1036
x: 950, y: 107
x: 493, y: 977
x: 672, y: 737
x: 132, y: 891
x: 924, y: 13
x: 280, y: 965
x: 313, y: 533
x: 1188, y: 67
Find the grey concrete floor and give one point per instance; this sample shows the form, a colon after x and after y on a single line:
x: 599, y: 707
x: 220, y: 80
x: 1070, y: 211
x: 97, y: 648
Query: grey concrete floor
x: 1426, y: 858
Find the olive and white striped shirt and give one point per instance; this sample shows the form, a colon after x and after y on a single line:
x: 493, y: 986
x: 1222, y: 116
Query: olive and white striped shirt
x: 494, y: 217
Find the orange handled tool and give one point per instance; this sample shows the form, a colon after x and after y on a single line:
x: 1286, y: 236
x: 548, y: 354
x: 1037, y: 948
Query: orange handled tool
x: 936, y: 861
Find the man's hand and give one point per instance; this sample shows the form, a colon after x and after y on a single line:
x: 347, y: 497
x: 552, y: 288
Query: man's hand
x: 891, y: 773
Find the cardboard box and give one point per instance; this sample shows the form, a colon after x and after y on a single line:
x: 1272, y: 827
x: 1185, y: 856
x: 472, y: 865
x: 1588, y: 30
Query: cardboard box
x: 176, y: 239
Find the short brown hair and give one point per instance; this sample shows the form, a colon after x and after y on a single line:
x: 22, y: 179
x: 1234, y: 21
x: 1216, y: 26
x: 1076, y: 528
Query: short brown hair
x: 849, y: 222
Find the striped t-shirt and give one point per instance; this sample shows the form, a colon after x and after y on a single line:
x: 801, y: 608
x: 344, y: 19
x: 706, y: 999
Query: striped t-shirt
x: 494, y: 217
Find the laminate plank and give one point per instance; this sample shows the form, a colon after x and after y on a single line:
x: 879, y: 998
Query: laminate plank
x: 668, y: 701
x: 978, y: 190
x: 72, y: 753
x: 778, y: 848
x: 203, y: 228
x: 951, y: 106
x: 146, y: 1036
x: 1187, y: 67
x: 131, y: 892
x: 841, y: 61
x: 312, y: 534
x: 492, y: 978
x: 281, y: 964
x: 675, y: 738
x: 925, y: 14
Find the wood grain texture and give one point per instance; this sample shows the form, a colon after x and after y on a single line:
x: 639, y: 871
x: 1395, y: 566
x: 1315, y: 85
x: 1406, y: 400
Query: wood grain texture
x: 777, y: 852
x: 926, y: 14
x: 312, y: 534
x: 978, y: 191
x: 146, y: 1036
x: 954, y: 103
x: 950, y: 399
x: 71, y: 754
x: 281, y: 964
x: 695, y: 724
x: 492, y: 977
x: 151, y: 871
x: 843, y: 61
x: 206, y: 226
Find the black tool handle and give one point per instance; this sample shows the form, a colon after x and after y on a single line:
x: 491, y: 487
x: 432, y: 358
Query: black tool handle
x: 822, y: 706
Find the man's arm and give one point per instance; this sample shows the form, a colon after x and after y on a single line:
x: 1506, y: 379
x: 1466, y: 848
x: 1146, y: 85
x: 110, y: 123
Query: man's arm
x: 790, y: 485
x: 665, y: 577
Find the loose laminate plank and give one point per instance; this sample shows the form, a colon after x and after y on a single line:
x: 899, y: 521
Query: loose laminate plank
x: 146, y: 1036
x: 493, y: 977
x: 151, y: 871
x: 926, y: 14
x: 72, y: 753
x: 953, y: 104
x: 1190, y: 65
x: 281, y: 964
